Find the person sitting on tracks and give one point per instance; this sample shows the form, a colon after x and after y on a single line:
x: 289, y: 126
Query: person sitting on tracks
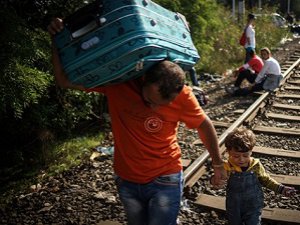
x: 145, y: 115
x: 246, y: 176
x: 267, y: 79
x: 248, y: 71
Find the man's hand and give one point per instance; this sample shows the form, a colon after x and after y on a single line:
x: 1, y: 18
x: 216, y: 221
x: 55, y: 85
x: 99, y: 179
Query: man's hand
x: 55, y: 26
x: 219, y: 179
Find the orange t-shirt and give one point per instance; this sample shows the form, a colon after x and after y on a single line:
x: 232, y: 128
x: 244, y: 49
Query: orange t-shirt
x: 145, y: 139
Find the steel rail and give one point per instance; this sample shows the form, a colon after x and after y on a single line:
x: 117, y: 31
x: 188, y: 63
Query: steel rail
x: 188, y: 172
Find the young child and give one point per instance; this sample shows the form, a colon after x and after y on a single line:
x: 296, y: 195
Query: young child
x: 246, y: 176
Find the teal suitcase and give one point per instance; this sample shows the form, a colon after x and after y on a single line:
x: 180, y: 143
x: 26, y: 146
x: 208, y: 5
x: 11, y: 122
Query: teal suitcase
x: 112, y: 41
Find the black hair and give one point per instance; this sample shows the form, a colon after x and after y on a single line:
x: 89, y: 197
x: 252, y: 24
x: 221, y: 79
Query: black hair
x: 251, y: 16
x: 168, y: 75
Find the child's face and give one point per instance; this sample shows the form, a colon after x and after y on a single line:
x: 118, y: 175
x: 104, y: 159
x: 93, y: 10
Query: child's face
x: 241, y: 159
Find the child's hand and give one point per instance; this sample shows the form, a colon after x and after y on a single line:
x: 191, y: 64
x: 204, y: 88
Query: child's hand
x: 288, y: 191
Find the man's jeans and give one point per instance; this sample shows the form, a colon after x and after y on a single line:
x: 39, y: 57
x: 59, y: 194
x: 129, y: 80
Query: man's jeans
x: 154, y: 203
x: 248, y: 56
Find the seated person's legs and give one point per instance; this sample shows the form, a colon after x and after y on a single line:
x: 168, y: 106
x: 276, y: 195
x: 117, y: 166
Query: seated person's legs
x: 246, y: 90
x: 245, y: 74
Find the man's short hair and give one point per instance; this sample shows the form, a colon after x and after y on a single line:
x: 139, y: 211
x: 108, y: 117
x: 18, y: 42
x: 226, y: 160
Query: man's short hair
x: 168, y: 75
x: 251, y: 16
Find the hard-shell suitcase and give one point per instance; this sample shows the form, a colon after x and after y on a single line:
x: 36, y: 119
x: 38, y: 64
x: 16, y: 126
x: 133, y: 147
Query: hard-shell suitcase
x: 112, y: 41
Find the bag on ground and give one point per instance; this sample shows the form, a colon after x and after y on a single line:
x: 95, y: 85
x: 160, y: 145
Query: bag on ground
x: 272, y: 82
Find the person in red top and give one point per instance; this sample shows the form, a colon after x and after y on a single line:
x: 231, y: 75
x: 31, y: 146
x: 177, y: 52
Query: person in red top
x: 145, y: 115
x: 248, y: 71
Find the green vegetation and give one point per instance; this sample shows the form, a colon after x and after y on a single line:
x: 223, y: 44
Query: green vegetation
x: 35, y: 115
x: 70, y: 153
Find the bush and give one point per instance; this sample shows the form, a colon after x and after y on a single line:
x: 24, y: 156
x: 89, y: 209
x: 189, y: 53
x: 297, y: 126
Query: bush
x: 30, y: 103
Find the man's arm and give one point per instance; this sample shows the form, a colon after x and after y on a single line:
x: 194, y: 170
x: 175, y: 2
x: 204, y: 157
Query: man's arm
x: 59, y: 74
x: 208, y: 136
x: 60, y: 77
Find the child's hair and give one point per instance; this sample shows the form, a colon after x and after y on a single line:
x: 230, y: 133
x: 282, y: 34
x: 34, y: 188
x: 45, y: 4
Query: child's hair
x: 241, y: 140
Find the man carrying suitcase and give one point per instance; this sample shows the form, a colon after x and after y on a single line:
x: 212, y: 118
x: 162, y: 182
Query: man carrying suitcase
x: 145, y: 114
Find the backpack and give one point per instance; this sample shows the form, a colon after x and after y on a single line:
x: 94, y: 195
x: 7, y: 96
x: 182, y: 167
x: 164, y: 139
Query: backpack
x: 200, y: 95
x: 243, y: 39
x: 272, y: 82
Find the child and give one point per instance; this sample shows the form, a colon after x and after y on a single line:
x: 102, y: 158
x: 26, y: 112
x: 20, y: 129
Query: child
x: 246, y: 176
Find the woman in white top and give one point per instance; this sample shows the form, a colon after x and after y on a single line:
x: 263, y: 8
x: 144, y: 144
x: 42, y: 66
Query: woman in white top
x: 270, y: 75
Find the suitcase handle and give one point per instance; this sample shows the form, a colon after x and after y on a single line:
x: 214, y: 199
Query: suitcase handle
x: 182, y: 17
x: 89, y: 25
x: 85, y: 19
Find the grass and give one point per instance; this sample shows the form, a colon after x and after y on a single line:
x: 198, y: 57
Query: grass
x: 71, y: 152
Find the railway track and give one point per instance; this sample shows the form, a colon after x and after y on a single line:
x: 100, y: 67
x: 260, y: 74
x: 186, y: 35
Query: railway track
x: 275, y: 119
